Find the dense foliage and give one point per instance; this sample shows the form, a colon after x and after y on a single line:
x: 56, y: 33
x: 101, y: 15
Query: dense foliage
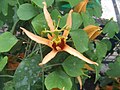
x: 20, y: 56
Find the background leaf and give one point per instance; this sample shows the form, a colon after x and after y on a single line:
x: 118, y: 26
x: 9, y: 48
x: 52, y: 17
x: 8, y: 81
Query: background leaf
x: 39, y: 23
x: 58, y: 79
x: 7, y: 41
x: 39, y: 2
x: 101, y: 49
x: 27, y: 73
x: 26, y: 11
x: 3, y: 62
x: 111, y: 28
x: 73, y: 66
x: 87, y: 20
x: 76, y: 21
x: 80, y: 39
x: 113, y: 70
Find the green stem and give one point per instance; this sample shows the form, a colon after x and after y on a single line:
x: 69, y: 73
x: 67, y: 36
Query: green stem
x: 53, y: 65
x: 117, y: 38
x: 13, y: 28
x: 18, y: 2
x: 6, y: 76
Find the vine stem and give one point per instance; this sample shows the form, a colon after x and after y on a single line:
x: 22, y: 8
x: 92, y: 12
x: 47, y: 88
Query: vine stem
x: 117, y: 38
x: 6, y: 76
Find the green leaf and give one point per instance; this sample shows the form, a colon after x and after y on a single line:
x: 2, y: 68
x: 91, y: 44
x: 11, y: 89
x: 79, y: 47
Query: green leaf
x: 3, y: 62
x: 26, y: 11
x: 1, y: 23
x: 73, y: 66
x: 63, y: 21
x: 113, y: 70
x: 9, y: 85
x: 39, y: 23
x: 76, y: 20
x: 4, y: 5
x: 7, y: 41
x: 73, y: 2
x: 111, y: 28
x: 58, y: 79
x: 12, y: 2
x: 108, y: 43
x: 94, y: 9
x: 101, y: 49
x: 87, y: 19
x: 55, y: 15
x: 27, y: 73
x: 80, y: 39
x: 97, y: 71
x: 39, y: 2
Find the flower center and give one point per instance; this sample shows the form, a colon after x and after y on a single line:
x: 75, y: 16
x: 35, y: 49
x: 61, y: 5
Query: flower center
x: 58, y: 43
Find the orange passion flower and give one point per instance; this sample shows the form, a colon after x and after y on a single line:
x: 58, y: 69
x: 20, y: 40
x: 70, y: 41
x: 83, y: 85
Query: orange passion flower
x: 55, y: 41
x: 81, y: 7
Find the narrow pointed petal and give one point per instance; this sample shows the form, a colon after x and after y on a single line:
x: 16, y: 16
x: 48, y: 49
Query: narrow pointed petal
x: 68, y: 24
x: 48, y: 57
x: 91, y: 30
x: 81, y: 7
x: 95, y: 35
x: 88, y: 67
x: 74, y: 52
x: 80, y: 82
x: 36, y: 38
x: 48, y: 17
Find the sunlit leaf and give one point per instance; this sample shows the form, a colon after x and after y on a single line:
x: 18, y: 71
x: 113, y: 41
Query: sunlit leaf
x: 7, y: 41
x: 73, y: 66
x: 3, y: 62
x: 80, y: 39
x: 58, y: 79
x: 26, y: 11
x: 27, y: 73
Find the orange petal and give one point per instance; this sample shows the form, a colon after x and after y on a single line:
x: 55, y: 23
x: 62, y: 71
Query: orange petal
x: 88, y: 67
x: 36, y: 38
x: 48, y: 17
x: 95, y: 35
x: 48, y: 57
x: 81, y: 7
x: 74, y: 52
x: 68, y: 24
x: 91, y: 30
x: 80, y: 82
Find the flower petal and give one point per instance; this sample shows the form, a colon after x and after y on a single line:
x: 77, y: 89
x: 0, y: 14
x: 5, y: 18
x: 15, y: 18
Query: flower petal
x: 48, y: 57
x: 95, y: 35
x: 36, y: 38
x: 88, y: 67
x: 80, y: 82
x: 81, y: 7
x: 91, y: 30
x: 74, y: 52
x: 48, y: 17
x: 68, y: 24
